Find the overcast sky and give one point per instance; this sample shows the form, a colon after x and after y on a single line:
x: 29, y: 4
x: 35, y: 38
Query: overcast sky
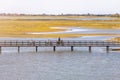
x: 60, y: 6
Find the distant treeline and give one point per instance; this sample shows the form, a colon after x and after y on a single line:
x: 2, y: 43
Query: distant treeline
x: 15, y: 14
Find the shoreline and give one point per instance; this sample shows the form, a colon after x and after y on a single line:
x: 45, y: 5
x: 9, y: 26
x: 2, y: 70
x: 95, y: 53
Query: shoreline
x: 56, y: 35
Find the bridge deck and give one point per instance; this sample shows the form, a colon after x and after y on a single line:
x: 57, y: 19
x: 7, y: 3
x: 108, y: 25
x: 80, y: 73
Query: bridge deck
x: 64, y: 43
x: 54, y: 44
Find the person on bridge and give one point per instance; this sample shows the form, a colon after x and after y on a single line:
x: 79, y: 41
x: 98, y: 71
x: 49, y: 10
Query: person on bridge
x: 59, y: 41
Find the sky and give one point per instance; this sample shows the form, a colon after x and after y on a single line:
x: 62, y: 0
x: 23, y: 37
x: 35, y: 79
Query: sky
x: 60, y: 6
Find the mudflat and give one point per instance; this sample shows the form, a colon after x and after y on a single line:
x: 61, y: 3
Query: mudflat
x: 18, y: 26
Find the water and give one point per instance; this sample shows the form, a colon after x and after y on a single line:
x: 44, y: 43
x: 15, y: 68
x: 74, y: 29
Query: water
x: 60, y: 65
x: 79, y: 30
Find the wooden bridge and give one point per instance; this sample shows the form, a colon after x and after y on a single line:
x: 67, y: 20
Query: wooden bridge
x: 58, y: 43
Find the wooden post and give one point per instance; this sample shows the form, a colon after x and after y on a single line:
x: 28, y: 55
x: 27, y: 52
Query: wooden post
x: 36, y: 48
x: 107, y: 49
x: 0, y: 49
x: 90, y: 49
x: 16, y: 43
x: 22, y: 43
x: 10, y: 43
x: 54, y: 48
x: 5, y: 43
x: 39, y: 43
x: 71, y: 48
x: 18, y: 49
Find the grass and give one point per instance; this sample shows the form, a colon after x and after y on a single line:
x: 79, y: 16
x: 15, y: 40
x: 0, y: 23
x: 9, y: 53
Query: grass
x: 116, y: 39
x: 17, y: 26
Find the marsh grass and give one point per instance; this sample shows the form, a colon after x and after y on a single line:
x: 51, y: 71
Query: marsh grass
x: 17, y: 26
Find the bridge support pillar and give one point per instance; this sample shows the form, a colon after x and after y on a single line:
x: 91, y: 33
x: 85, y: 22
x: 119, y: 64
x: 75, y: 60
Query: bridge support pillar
x: 90, y: 49
x: 36, y: 48
x: 72, y: 48
x: 18, y: 49
x: 54, y: 48
x: 107, y: 49
x: 0, y: 49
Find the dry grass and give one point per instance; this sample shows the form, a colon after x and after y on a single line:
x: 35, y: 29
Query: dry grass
x: 116, y: 39
x: 18, y: 28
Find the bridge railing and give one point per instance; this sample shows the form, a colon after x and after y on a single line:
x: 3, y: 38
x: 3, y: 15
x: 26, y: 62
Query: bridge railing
x: 58, y: 43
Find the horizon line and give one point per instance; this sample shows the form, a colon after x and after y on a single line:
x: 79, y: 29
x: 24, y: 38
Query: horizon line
x: 58, y: 13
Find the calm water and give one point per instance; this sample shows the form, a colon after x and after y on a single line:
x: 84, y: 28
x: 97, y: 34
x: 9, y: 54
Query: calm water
x: 60, y: 65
